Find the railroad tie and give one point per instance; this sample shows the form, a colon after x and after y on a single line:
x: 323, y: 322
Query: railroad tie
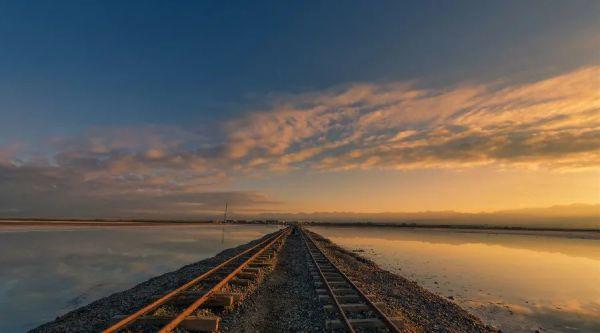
x: 356, y: 323
x: 334, y: 284
x: 342, y: 299
x: 351, y: 307
x: 241, y: 282
x: 337, y: 291
x: 252, y: 270
x: 259, y: 264
x: 247, y: 275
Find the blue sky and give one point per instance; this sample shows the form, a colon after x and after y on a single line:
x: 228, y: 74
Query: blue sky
x: 191, y: 71
x: 69, y: 65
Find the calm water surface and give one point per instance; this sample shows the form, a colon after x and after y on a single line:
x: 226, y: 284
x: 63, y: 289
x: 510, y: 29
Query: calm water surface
x: 47, y: 271
x: 518, y: 283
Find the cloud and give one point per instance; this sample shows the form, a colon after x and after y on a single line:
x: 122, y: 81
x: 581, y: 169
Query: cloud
x: 137, y: 172
x: 55, y: 192
x: 553, y: 123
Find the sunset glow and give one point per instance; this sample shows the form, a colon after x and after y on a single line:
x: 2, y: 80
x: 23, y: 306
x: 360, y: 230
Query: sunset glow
x: 385, y: 144
x: 308, y: 166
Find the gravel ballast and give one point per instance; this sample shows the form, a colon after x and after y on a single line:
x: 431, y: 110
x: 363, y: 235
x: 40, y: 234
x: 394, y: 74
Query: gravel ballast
x: 285, y: 302
x: 285, y: 299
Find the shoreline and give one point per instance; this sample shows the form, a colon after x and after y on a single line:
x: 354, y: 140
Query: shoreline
x: 412, y: 225
x: 91, y: 223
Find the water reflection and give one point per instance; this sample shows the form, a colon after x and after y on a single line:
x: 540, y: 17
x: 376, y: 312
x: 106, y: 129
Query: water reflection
x: 46, y: 272
x: 520, y: 283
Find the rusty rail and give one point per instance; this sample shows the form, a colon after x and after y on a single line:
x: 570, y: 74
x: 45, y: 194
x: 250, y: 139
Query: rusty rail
x: 315, y: 250
x: 260, y: 247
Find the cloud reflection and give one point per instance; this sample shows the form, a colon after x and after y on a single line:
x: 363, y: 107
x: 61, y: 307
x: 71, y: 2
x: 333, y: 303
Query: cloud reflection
x: 67, y: 268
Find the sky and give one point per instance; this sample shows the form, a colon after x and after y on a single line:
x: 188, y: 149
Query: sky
x: 170, y: 109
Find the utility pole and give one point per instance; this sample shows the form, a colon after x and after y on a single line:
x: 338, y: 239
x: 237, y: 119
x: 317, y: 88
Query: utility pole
x: 223, y: 226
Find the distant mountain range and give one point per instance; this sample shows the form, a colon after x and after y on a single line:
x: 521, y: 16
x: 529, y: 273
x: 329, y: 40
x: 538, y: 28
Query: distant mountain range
x: 563, y: 216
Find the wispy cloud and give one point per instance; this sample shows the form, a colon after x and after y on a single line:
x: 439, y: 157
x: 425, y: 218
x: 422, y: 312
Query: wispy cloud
x: 148, y: 171
x: 552, y: 123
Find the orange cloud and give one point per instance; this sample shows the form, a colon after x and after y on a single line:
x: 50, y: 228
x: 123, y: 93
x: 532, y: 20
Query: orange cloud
x: 552, y: 123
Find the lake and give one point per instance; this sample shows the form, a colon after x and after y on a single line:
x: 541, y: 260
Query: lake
x: 517, y: 282
x: 48, y: 271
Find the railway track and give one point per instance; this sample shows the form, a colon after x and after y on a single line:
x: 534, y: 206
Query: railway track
x: 191, y: 307
x: 349, y: 307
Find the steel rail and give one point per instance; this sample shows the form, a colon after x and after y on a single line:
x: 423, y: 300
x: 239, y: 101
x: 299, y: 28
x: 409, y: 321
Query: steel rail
x: 132, y: 318
x: 386, y: 320
x: 329, y: 290
x: 188, y: 311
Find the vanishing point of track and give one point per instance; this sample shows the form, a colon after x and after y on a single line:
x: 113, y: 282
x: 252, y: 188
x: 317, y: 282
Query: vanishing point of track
x: 354, y: 309
x: 200, y: 291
